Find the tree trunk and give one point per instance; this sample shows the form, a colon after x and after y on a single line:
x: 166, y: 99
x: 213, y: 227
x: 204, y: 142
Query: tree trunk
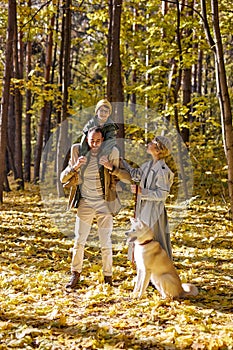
x: 11, y: 134
x: 224, y: 99
x: 176, y: 90
x: 222, y: 89
x: 66, y: 83
x: 187, y: 78
x: 61, y: 60
x: 115, y: 92
x: 133, y: 98
x: 66, y: 66
x: 6, y: 90
x: 18, y: 153
x: 186, y: 102
x: 47, y: 131
x: 45, y: 109
x: 28, y: 150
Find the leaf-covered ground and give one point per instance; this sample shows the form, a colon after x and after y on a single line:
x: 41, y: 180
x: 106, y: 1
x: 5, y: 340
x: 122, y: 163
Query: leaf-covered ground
x: 37, y: 313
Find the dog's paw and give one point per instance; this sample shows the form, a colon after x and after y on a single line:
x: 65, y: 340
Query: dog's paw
x: 140, y: 296
x: 137, y: 295
x: 134, y: 295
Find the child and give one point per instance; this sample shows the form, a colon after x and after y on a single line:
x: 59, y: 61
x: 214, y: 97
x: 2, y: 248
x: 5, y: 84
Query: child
x: 102, y: 118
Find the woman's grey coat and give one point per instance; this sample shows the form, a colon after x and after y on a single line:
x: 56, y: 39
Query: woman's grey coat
x: 155, y: 180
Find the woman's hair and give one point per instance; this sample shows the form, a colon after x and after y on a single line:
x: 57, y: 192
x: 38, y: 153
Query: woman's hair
x: 163, y: 153
x: 164, y: 146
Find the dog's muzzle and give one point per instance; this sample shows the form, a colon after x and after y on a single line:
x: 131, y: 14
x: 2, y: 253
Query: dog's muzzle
x: 130, y: 239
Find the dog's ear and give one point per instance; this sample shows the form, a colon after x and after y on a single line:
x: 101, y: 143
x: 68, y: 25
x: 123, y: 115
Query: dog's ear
x: 137, y: 222
x: 140, y: 223
x: 133, y: 220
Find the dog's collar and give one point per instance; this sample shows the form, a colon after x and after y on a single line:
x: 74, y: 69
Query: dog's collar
x: 146, y: 242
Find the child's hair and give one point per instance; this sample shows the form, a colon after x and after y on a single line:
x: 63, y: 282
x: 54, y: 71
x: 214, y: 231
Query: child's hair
x: 104, y: 103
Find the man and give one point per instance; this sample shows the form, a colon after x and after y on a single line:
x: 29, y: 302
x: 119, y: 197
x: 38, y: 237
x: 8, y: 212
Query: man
x: 95, y: 196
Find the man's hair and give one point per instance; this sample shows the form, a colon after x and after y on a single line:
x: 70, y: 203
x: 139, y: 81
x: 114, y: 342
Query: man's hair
x: 95, y: 129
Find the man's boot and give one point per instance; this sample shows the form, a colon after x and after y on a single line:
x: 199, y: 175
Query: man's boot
x: 108, y: 280
x: 75, y: 278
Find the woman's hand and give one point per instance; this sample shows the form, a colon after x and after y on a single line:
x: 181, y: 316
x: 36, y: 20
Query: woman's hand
x: 105, y: 162
x: 136, y: 189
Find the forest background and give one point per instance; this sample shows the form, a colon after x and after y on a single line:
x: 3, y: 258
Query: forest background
x: 165, y: 63
x: 171, y: 58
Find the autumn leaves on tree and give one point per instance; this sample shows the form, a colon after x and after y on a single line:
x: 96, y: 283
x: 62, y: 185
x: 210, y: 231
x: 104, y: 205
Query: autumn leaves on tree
x: 61, y: 58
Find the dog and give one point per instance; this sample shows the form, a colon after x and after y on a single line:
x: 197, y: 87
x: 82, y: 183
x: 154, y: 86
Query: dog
x: 153, y: 264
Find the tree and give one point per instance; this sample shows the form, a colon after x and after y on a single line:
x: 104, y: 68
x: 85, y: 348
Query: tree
x: 28, y: 148
x: 18, y: 102
x: 187, y: 78
x: 178, y: 74
x: 46, y: 108
x: 6, y: 90
x: 115, y: 92
x: 222, y: 88
x: 65, y: 78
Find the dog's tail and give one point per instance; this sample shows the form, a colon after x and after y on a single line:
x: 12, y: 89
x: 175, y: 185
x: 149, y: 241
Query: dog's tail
x: 190, y: 289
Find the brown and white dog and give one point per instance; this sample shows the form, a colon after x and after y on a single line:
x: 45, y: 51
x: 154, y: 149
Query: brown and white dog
x: 154, y: 264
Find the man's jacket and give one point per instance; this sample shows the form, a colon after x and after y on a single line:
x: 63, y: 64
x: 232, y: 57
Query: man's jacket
x: 73, y: 179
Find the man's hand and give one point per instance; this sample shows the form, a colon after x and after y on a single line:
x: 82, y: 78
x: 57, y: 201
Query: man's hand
x: 81, y: 161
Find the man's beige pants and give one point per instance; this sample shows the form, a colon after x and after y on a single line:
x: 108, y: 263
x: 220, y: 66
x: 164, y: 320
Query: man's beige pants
x: 86, y: 212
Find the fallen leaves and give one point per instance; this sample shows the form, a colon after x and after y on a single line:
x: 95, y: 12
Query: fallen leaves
x: 37, y: 312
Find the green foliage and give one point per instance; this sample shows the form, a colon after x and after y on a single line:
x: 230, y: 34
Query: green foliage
x: 41, y: 91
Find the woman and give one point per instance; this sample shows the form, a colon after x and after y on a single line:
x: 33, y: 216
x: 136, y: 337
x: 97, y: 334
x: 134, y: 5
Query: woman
x: 155, y: 180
